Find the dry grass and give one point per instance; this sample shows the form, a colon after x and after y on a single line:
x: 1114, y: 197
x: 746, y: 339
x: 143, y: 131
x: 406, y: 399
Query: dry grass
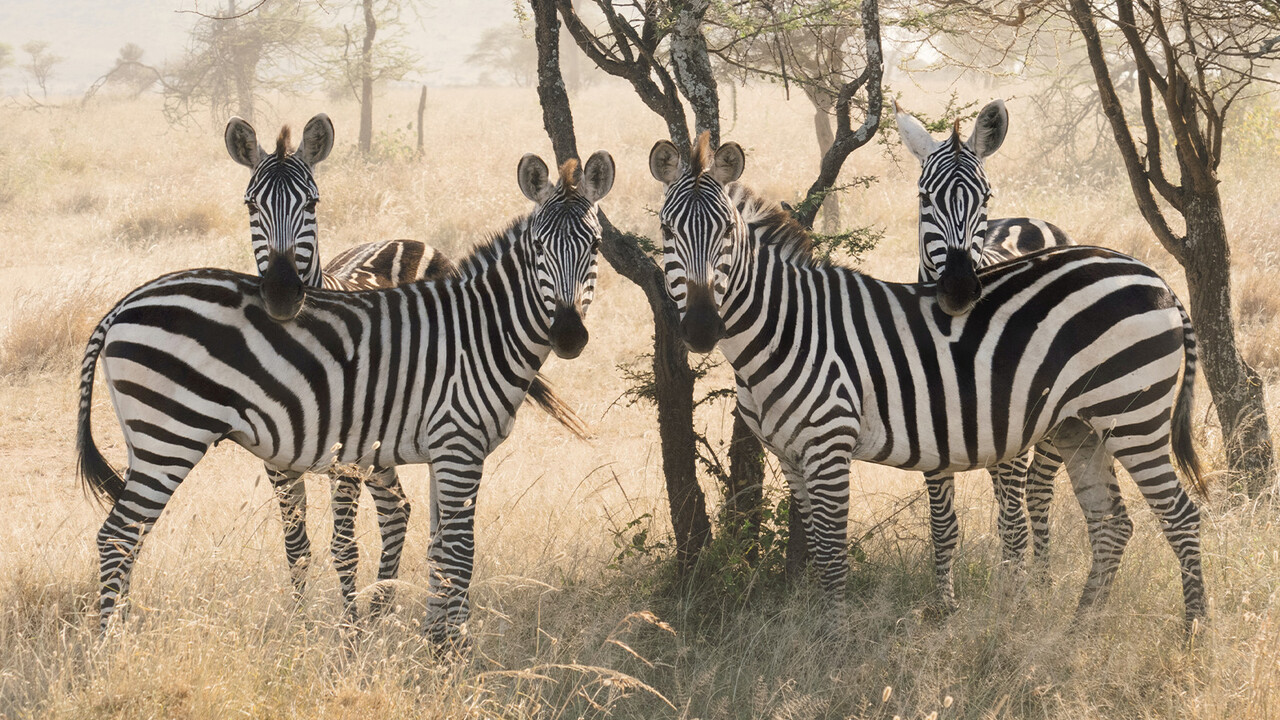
x: 89, y: 208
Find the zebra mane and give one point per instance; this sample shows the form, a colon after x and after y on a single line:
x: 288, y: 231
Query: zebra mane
x: 488, y: 253
x: 282, y: 143
x: 773, y: 225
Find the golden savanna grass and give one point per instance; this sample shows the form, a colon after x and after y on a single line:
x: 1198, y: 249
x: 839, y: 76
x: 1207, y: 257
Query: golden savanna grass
x: 94, y: 202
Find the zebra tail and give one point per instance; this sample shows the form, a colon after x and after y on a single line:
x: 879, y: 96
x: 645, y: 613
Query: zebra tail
x: 97, y: 477
x: 1184, y: 451
x: 547, y: 399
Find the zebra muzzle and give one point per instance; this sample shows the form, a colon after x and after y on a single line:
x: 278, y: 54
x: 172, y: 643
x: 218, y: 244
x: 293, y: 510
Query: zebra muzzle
x: 958, y: 284
x: 568, y: 333
x: 282, y: 289
x: 701, y: 327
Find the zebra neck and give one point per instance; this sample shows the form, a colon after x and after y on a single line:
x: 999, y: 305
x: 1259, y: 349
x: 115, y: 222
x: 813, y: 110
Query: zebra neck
x: 507, y: 303
x: 747, y: 299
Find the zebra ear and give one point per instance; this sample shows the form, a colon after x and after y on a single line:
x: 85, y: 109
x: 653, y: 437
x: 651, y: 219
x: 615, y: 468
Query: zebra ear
x: 914, y: 135
x: 242, y: 143
x: 664, y: 162
x: 533, y: 177
x: 317, y: 140
x: 597, y: 176
x: 728, y: 164
x: 990, y: 129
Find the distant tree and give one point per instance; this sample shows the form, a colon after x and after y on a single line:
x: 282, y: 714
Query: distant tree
x: 129, y: 72
x: 41, y: 64
x: 238, y: 53
x: 371, y: 48
x: 6, y: 56
x: 508, y: 53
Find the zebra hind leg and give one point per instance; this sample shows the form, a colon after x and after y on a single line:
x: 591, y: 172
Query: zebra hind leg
x: 1044, y: 467
x: 1093, y: 479
x: 131, y: 517
x: 393, y: 520
x: 292, y: 495
x: 1009, y: 480
x: 945, y: 531
x: 346, y: 553
x: 1178, y: 514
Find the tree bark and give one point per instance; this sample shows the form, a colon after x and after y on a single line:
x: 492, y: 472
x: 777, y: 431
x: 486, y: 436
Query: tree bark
x: 827, y: 138
x: 366, y: 79
x: 672, y: 374
x: 691, y: 67
x: 744, y: 495
x: 1236, y: 387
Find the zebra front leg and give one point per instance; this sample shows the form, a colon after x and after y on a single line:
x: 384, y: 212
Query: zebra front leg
x: 945, y: 531
x: 454, y: 485
x: 1009, y: 480
x: 1093, y: 479
x: 393, y: 520
x: 346, y: 553
x: 292, y: 495
x: 1040, y: 476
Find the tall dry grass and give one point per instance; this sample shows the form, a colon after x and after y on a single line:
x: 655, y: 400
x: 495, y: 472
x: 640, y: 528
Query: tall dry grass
x: 94, y: 202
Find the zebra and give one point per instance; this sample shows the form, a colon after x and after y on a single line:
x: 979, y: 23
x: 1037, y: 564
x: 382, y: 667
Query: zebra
x: 429, y: 372
x: 281, y: 199
x: 955, y: 233
x: 1078, y: 345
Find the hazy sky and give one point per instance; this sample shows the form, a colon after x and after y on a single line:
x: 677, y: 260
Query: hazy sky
x: 89, y: 33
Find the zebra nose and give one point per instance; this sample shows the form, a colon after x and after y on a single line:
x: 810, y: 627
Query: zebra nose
x: 282, y: 289
x: 701, y: 327
x: 958, y: 284
x: 568, y: 334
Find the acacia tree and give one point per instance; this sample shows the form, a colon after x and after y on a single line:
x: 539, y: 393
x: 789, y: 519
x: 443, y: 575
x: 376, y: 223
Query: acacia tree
x: 660, y: 49
x: 373, y: 50
x: 809, y: 44
x: 1193, y: 60
x: 234, y: 55
x: 41, y: 63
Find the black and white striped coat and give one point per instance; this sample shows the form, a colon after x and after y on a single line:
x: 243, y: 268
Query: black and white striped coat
x: 1079, y: 346
x: 956, y: 237
x: 428, y: 372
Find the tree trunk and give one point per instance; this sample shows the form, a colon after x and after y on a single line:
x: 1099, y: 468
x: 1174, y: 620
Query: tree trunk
x: 1235, y: 386
x: 422, y: 110
x: 366, y: 79
x: 672, y: 375
x: 827, y: 138
x: 744, y: 495
x: 691, y: 67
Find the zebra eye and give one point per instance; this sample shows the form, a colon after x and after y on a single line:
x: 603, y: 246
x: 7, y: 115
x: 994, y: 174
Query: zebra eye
x: 311, y: 204
x: 595, y: 245
x: 253, y: 206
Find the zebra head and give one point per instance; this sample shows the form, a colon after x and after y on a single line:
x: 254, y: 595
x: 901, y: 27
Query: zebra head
x: 281, y: 198
x: 700, y: 225
x: 953, y: 202
x: 563, y: 238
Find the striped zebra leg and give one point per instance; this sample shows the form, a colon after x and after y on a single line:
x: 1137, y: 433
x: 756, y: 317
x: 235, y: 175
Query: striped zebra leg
x: 292, y: 495
x: 455, y: 481
x: 393, y: 519
x: 1009, y: 479
x: 945, y: 530
x: 1149, y: 465
x: 131, y: 518
x: 346, y: 553
x: 827, y: 495
x: 1093, y: 478
x: 1044, y: 467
